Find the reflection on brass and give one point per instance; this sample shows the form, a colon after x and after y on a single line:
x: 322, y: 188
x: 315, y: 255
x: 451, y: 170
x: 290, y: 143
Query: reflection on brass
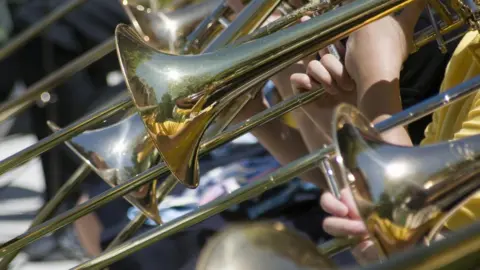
x: 402, y: 191
x: 157, y: 80
x: 215, y: 98
x: 261, y: 246
x: 274, y: 179
x: 167, y: 28
x: 117, y: 153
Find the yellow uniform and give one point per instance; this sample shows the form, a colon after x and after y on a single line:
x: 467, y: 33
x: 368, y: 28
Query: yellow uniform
x: 461, y: 119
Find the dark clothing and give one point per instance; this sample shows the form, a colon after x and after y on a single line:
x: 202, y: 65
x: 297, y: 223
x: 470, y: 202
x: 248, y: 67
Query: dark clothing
x: 92, y: 24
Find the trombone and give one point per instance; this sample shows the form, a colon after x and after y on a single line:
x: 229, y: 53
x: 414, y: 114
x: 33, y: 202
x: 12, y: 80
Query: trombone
x: 277, y: 178
x: 351, y: 17
x: 233, y: 29
x: 18, y: 105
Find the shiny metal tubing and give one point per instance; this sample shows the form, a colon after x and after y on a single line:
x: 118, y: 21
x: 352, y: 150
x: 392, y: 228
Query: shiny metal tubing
x: 274, y: 179
x: 132, y: 185
x: 289, y: 19
x: 401, y: 118
x: 21, y: 39
x: 49, y: 208
x: 85, y: 122
x: 154, y: 172
x: 198, y: 36
x: 64, y: 134
x: 458, y: 251
x: 245, y: 22
x: 54, y: 79
x: 278, y: 177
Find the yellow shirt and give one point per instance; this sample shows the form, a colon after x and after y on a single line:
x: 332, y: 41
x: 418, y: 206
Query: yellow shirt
x: 461, y: 119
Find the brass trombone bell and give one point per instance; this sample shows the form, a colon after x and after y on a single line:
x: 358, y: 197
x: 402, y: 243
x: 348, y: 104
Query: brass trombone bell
x: 401, y: 192
x: 271, y: 180
x: 20, y: 104
x: 117, y: 153
x: 261, y: 246
x: 276, y: 178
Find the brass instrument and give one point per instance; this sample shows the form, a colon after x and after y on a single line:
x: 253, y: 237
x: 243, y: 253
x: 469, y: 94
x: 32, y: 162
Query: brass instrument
x: 398, y: 192
x: 122, y: 149
x: 18, y: 105
x: 178, y: 100
x: 331, y: 26
x: 261, y: 246
x: 167, y: 30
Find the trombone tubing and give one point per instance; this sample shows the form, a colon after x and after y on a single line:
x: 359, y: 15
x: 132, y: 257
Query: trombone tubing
x: 250, y: 18
x: 64, y: 134
x: 278, y: 177
x: 412, y: 114
x: 146, y: 176
x: 85, y: 122
x: 21, y: 103
x: 21, y: 39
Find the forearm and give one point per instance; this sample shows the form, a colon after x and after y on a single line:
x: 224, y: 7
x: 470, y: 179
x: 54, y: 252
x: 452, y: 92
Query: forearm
x: 281, y: 141
x: 377, y: 80
x: 286, y: 145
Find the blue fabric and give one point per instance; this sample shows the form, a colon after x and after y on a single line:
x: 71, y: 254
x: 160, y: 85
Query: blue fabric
x: 226, y: 179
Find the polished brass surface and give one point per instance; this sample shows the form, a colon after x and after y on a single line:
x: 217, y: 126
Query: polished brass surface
x: 56, y: 138
x: 145, y: 177
x: 178, y: 96
x: 250, y: 191
x: 401, y: 191
x: 20, y: 40
x: 167, y: 29
x: 175, y: 23
x: 157, y: 171
x: 117, y: 153
x: 251, y: 18
x: 17, y: 105
x: 49, y: 142
x: 262, y: 246
x: 278, y: 177
x: 458, y: 251
x: 208, y: 29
